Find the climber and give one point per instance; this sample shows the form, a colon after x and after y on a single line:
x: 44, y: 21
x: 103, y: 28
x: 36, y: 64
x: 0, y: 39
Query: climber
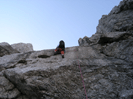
x: 60, y: 49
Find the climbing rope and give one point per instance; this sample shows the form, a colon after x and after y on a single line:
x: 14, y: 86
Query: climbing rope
x: 81, y: 75
x: 82, y: 79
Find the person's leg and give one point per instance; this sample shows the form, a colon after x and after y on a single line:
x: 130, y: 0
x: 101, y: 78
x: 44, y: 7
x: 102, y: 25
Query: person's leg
x: 62, y: 53
x: 57, y: 51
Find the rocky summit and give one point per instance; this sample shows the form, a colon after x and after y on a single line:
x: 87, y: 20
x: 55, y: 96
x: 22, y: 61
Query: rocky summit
x: 101, y: 67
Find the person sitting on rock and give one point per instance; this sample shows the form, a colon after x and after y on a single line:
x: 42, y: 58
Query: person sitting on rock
x: 60, y: 49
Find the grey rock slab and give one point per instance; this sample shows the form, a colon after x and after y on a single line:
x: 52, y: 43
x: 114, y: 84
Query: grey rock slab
x: 6, y: 49
x: 126, y: 94
x: 122, y: 50
x: 23, y: 47
x: 54, y: 77
x: 36, y: 71
x: 7, y: 89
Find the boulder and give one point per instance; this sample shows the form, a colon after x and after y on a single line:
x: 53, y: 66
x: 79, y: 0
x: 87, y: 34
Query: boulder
x: 6, y: 49
x: 84, y: 42
x: 23, y: 47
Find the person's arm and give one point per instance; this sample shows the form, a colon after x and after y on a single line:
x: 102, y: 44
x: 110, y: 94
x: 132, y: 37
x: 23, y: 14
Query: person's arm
x: 56, y: 48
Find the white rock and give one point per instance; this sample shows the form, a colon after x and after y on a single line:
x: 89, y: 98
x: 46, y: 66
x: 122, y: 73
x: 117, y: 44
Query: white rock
x: 23, y: 47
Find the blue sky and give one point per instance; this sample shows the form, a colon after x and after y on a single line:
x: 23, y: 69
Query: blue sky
x: 43, y: 23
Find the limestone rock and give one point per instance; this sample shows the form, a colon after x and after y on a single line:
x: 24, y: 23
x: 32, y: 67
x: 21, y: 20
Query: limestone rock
x: 84, y: 42
x: 105, y: 61
x: 124, y: 5
x: 127, y: 94
x: 23, y: 47
x: 7, y: 89
x: 6, y: 49
x: 40, y: 75
x: 122, y: 21
x: 119, y: 19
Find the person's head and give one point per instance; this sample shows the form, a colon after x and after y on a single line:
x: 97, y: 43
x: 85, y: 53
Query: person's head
x: 62, y: 43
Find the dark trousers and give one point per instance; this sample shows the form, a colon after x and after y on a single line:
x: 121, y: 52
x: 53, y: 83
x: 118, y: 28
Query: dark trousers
x: 59, y: 51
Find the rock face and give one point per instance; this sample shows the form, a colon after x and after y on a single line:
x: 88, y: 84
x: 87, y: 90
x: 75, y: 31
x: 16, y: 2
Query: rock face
x: 119, y: 19
x: 23, y: 47
x: 6, y: 49
x: 105, y: 61
x: 40, y: 75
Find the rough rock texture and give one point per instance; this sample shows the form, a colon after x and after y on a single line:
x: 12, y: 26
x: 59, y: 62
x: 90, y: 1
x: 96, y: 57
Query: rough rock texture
x: 119, y: 22
x: 119, y: 19
x: 105, y: 59
x: 114, y: 38
x: 23, y: 47
x: 40, y: 75
x: 84, y: 42
x: 6, y: 49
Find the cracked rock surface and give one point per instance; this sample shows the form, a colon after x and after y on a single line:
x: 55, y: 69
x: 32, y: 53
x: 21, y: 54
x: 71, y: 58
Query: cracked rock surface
x: 6, y: 49
x: 27, y: 76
